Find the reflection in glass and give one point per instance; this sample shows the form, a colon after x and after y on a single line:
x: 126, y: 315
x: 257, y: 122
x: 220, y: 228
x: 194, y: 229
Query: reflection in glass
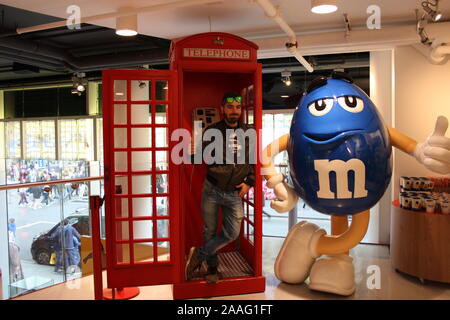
x: 13, y: 141
x: 161, y: 160
x: 121, y: 184
x: 123, y: 253
x: 141, y: 90
x: 161, y: 114
x: 120, y: 90
x: 162, y: 90
x: 163, y: 228
x: 161, y: 183
x: 143, y: 252
x: 122, y: 231
x: 162, y: 206
x: 121, y: 208
x: 163, y: 251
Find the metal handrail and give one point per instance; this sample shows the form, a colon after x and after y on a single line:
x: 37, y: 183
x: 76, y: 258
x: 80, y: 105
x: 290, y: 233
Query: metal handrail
x: 48, y: 183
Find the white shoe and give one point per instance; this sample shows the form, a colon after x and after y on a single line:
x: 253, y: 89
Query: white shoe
x: 333, y: 274
x: 297, y: 254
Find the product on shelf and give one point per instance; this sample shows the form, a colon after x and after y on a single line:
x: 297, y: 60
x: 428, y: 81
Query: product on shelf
x: 425, y: 194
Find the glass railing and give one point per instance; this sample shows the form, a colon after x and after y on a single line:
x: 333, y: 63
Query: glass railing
x: 45, y: 232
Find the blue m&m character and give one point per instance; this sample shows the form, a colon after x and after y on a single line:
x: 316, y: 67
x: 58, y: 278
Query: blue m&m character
x: 340, y: 164
x: 339, y: 149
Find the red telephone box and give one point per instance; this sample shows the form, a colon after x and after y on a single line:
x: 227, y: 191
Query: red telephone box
x: 153, y: 212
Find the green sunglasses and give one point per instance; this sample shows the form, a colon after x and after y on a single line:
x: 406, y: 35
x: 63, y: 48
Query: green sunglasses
x: 231, y: 99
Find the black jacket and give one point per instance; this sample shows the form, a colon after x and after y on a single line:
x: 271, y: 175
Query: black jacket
x: 227, y: 176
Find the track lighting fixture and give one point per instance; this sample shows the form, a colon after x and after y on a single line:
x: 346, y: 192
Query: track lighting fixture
x: 432, y: 9
x: 286, y: 78
x: 79, y: 83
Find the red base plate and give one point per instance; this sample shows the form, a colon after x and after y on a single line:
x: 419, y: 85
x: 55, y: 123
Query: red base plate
x: 120, y: 294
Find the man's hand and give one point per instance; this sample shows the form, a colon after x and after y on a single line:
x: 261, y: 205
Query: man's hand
x: 434, y: 152
x: 244, y: 189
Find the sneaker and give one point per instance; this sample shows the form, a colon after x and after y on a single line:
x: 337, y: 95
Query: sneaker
x: 193, y: 262
x: 212, y: 275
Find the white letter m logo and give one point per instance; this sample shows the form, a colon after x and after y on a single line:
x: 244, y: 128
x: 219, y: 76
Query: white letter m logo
x: 341, y: 168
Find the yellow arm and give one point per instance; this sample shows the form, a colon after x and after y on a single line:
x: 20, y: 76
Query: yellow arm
x: 274, y: 148
x: 401, y: 141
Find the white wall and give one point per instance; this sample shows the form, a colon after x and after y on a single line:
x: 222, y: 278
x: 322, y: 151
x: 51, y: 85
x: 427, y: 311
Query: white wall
x: 422, y: 93
x: 381, y: 93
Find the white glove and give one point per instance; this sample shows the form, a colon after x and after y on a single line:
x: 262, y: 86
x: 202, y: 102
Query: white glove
x: 434, y: 152
x: 286, y: 196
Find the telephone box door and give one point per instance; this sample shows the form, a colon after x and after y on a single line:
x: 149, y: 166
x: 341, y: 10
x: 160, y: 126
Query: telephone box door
x: 141, y: 197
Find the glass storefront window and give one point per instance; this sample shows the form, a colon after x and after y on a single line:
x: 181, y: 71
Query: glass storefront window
x: 39, y: 139
x: 13, y: 141
x: 76, y: 139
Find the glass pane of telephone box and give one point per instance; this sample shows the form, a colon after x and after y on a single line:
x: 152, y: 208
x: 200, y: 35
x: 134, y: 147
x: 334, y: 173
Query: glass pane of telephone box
x: 143, y: 207
x: 143, y: 252
x: 123, y: 253
x: 141, y: 114
x: 120, y: 138
x: 141, y: 161
x: 142, y: 184
x: 162, y: 183
x: 141, y: 137
x: 162, y: 89
x: 161, y: 114
x: 121, y: 207
x: 141, y: 90
x: 120, y: 114
x: 120, y: 161
x: 161, y: 160
x: 161, y: 137
x: 163, y: 228
x: 142, y: 229
x: 120, y: 90
x: 121, y: 185
x: 122, y: 231
x: 163, y: 251
x: 162, y: 206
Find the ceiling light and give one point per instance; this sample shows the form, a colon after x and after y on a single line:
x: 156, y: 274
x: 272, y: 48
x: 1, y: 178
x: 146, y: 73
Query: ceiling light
x: 286, y: 78
x: 285, y: 96
x: 126, y: 26
x: 435, y: 14
x: 323, y: 6
x: 79, y: 83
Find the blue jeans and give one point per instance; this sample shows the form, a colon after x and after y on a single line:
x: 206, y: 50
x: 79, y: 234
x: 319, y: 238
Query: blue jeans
x: 72, y: 257
x: 214, y: 198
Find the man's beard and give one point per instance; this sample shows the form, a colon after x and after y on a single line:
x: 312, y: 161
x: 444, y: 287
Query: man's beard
x: 233, y: 119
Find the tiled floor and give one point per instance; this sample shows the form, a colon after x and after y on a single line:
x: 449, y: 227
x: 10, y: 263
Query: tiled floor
x: 393, y: 285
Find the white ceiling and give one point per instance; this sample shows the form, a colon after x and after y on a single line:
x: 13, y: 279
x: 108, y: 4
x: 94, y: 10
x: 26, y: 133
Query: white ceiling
x: 240, y: 17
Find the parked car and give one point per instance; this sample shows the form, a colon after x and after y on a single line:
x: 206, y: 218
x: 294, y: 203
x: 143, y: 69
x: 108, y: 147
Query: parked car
x: 41, y: 248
